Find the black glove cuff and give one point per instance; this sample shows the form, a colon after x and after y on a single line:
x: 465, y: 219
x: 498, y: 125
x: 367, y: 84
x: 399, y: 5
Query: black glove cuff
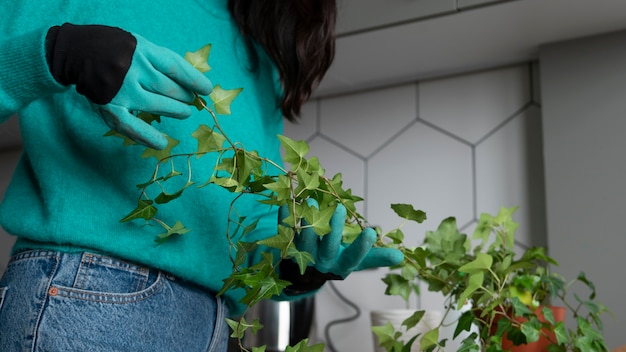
x: 95, y: 58
x: 300, y: 284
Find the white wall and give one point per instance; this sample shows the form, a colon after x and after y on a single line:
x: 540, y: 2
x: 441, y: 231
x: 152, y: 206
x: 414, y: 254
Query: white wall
x: 8, y: 160
x: 459, y: 145
x: 584, y: 94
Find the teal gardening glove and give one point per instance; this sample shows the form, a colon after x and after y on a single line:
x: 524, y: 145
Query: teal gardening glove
x: 333, y: 258
x: 121, y: 73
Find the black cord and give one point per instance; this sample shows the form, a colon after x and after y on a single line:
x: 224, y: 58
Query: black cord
x: 339, y: 321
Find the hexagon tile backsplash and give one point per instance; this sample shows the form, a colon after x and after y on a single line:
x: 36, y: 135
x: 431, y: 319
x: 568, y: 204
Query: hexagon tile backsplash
x: 454, y: 146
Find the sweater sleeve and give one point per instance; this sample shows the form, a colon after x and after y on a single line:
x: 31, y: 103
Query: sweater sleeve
x: 24, y: 72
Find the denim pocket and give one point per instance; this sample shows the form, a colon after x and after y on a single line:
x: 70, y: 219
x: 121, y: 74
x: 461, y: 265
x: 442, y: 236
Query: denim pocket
x: 108, y: 280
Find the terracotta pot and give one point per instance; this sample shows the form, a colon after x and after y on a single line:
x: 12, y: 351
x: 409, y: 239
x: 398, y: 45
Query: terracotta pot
x: 545, y: 338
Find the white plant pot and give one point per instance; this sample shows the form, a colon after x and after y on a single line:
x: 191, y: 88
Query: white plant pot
x: 430, y: 320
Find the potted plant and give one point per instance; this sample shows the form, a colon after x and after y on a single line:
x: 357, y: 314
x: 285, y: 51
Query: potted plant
x: 487, y: 277
x: 511, y: 298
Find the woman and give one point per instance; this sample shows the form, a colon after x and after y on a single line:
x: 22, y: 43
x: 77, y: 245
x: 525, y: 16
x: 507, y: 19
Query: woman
x: 81, y: 280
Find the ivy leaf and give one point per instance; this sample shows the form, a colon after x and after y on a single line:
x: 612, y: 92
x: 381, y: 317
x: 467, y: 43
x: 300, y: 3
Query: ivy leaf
x: 199, y: 103
x: 165, y: 197
x: 319, y: 220
x: 396, y: 235
x: 280, y: 241
x: 387, y: 335
x: 531, y: 329
x: 414, y: 319
x: 240, y: 327
x: 225, y: 182
x: 303, y: 258
x: 208, y: 139
x: 127, y: 141
x: 397, y: 286
x: 302, y: 346
x: 519, y: 308
x: 561, y: 333
x: 295, y: 151
x: 223, y: 98
x: 161, y: 154
x: 306, y: 180
x: 248, y: 163
x: 482, y: 262
x: 464, y: 323
x: 177, y: 230
x: 350, y: 233
x: 145, y: 210
x: 407, y: 211
x: 429, y: 339
x: 149, y: 117
x: 200, y: 58
x: 259, y: 349
x: 282, y: 188
x: 469, y: 344
x: 474, y: 283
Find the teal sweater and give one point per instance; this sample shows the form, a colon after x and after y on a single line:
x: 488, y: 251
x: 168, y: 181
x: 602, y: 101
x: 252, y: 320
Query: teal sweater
x: 72, y: 185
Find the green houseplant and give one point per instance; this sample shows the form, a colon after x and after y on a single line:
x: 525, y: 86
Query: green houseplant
x: 482, y: 275
x: 509, y: 295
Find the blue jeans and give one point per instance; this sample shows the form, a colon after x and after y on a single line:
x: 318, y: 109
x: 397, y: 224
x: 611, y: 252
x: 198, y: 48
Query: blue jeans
x: 51, y: 301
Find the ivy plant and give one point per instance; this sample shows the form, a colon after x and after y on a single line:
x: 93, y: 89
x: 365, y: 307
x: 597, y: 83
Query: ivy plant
x: 488, y: 276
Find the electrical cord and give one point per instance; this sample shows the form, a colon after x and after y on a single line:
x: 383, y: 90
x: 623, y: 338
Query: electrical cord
x: 339, y: 321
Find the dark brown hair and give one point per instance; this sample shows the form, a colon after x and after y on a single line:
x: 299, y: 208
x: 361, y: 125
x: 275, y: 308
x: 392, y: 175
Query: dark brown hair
x: 299, y: 36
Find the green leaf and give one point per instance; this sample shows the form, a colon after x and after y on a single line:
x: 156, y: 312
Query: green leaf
x: 519, y: 308
x: 259, y: 349
x: 474, y: 283
x: 222, y: 99
x: 414, y: 319
x: 397, y: 286
x: 239, y: 327
x: 225, y: 182
x: 307, y: 180
x: 200, y: 58
x: 447, y: 243
x: 208, y: 139
x: 303, y: 346
x: 281, y: 241
x: 247, y: 164
x: 281, y: 187
x: 396, y: 235
x: 469, y: 344
x: 295, y: 151
x: 145, y: 210
x: 387, y: 335
x: 161, y: 154
x: 127, y: 141
x: 177, y: 230
x: 407, y: 211
x: 303, y: 258
x: 561, y: 333
x: 464, y: 323
x: 531, y: 329
x: 319, y: 220
x: 149, y: 117
x: 429, y: 339
x: 165, y: 197
x: 199, y: 103
x: 350, y: 232
x: 482, y: 262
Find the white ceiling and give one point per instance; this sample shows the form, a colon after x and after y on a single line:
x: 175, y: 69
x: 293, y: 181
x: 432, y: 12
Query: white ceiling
x: 500, y: 34
x: 503, y: 33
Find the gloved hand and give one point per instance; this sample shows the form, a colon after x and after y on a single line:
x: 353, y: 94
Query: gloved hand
x: 332, y: 256
x: 120, y: 72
